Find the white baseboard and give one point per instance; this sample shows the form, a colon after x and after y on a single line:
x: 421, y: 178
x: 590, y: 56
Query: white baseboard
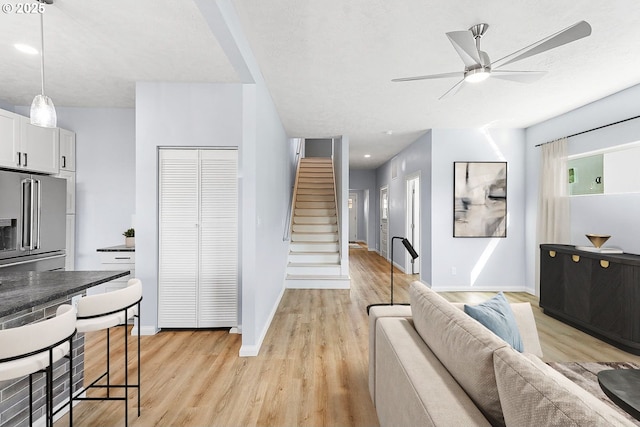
x: 467, y: 288
x: 145, y: 330
x: 253, y: 350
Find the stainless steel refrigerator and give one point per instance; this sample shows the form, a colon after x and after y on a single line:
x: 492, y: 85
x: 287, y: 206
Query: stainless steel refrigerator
x: 32, y: 222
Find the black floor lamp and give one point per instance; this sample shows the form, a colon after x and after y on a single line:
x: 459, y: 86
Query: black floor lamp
x: 413, y: 254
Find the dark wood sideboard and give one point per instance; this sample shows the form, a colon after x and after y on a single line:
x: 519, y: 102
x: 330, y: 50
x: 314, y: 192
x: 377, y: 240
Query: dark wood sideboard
x: 595, y: 292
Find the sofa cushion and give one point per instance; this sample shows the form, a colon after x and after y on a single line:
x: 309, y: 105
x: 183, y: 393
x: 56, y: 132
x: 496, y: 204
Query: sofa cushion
x: 534, y: 394
x: 462, y: 345
x: 496, y: 315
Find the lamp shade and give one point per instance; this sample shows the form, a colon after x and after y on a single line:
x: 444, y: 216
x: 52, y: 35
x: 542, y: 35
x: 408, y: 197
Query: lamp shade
x: 43, y: 113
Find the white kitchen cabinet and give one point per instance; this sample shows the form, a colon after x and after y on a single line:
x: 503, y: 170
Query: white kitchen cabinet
x: 24, y: 146
x: 198, y: 235
x: 9, y: 139
x: 67, y: 150
x: 39, y: 148
x: 113, y: 259
x: 70, y: 245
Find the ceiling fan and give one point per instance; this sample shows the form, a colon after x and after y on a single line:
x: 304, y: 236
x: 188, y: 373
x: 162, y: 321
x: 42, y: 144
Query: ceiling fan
x: 478, y: 66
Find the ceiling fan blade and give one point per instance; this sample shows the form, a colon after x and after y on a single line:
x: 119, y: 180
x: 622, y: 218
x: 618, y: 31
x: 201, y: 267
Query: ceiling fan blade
x: 518, y: 76
x: 568, y: 35
x: 454, y: 89
x: 430, y: 76
x: 465, y: 45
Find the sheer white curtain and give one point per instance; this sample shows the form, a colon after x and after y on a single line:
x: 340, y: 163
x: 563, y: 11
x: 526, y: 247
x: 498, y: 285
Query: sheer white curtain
x: 553, y: 198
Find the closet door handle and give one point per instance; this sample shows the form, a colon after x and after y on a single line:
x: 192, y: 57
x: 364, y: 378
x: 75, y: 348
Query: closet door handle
x: 19, y: 158
x: 64, y: 161
x: 25, y: 159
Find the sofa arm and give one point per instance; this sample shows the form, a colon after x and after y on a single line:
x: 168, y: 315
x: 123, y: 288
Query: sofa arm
x: 375, y: 313
x: 523, y: 313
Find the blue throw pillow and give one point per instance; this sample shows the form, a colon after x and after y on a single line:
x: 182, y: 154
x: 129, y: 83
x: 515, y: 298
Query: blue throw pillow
x: 496, y: 315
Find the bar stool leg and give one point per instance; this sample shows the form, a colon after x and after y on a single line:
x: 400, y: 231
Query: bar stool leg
x: 108, y: 370
x: 126, y: 370
x: 30, y: 399
x: 71, y: 381
x: 138, y: 316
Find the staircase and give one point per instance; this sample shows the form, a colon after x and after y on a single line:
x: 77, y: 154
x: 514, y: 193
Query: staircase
x: 314, y: 251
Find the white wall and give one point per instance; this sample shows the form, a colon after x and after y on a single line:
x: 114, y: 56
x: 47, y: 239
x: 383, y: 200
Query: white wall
x: 105, y: 177
x: 416, y: 158
x: 607, y: 214
x: 341, y: 170
x: 175, y: 115
x: 365, y: 180
x: 263, y: 283
x: 480, y: 263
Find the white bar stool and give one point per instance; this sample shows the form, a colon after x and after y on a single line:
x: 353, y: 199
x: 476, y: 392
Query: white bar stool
x: 33, y: 348
x: 104, y: 311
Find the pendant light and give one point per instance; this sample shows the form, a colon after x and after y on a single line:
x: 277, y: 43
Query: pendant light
x: 43, y: 113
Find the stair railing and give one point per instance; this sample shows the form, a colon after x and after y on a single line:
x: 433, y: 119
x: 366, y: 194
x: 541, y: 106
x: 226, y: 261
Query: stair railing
x: 289, y: 222
x: 335, y: 200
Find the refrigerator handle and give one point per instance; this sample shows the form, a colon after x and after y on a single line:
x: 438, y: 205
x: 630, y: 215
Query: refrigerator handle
x: 25, y: 215
x: 37, y: 213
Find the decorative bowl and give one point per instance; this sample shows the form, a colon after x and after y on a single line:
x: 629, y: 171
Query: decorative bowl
x: 597, y: 239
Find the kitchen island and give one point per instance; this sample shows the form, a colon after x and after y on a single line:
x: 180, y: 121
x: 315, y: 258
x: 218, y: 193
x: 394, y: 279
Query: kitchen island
x: 30, y: 296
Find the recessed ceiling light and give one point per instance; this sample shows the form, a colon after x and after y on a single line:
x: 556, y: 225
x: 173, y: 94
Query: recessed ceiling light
x: 26, y: 49
x: 366, y: 156
x: 389, y: 132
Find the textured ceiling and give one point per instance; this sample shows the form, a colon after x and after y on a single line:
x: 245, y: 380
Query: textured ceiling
x: 96, y: 51
x: 329, y: 64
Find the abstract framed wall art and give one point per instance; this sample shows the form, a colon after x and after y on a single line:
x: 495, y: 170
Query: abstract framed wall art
x: 480, y: 199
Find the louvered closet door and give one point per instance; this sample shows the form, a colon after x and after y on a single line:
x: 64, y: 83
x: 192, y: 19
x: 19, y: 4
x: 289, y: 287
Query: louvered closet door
x: 218, y: 290
x: 178, y: 239
x: 198, y: 279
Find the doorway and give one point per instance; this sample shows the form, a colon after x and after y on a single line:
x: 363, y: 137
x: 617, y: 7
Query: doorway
x: 353, y: 217
x: 384, y: 222
x: 412, y: 266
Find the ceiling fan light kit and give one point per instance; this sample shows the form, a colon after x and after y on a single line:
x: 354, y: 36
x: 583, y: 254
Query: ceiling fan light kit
x: 478, y: 66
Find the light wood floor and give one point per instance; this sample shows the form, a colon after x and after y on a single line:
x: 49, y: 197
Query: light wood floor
x: 312, y: 368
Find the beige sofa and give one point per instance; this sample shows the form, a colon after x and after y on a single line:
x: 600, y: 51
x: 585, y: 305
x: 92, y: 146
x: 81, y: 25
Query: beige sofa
x: 433, y: 365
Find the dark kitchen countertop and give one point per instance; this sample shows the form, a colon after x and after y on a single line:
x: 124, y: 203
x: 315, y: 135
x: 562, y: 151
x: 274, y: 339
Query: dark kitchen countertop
x: 23, y: 290
x: 119, y: 248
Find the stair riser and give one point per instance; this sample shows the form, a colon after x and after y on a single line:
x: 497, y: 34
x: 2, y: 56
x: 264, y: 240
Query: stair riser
x: 314, y: 170
x: 315, y: 212
x: 312, y: 174
x: 315, y: 205
x: 333, y: 270
x: 315, y: 228
x: 314, y: 220
x: 314, y: 198
x: 316, y: 247
x: 316, y: 191
x: 305, y: 237
x: 315, y: 179
x: 323, y: 186
x: 315, y: 258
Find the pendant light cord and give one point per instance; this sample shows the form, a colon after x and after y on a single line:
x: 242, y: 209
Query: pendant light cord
x: 42, y: 48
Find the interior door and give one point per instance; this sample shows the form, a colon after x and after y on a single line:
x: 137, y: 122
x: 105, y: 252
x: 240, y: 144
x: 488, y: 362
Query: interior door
x: 353, y: 217
x: 178, y: 238
x: 218, y: 285
x: 384, y: 222
x: 413, y: 223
